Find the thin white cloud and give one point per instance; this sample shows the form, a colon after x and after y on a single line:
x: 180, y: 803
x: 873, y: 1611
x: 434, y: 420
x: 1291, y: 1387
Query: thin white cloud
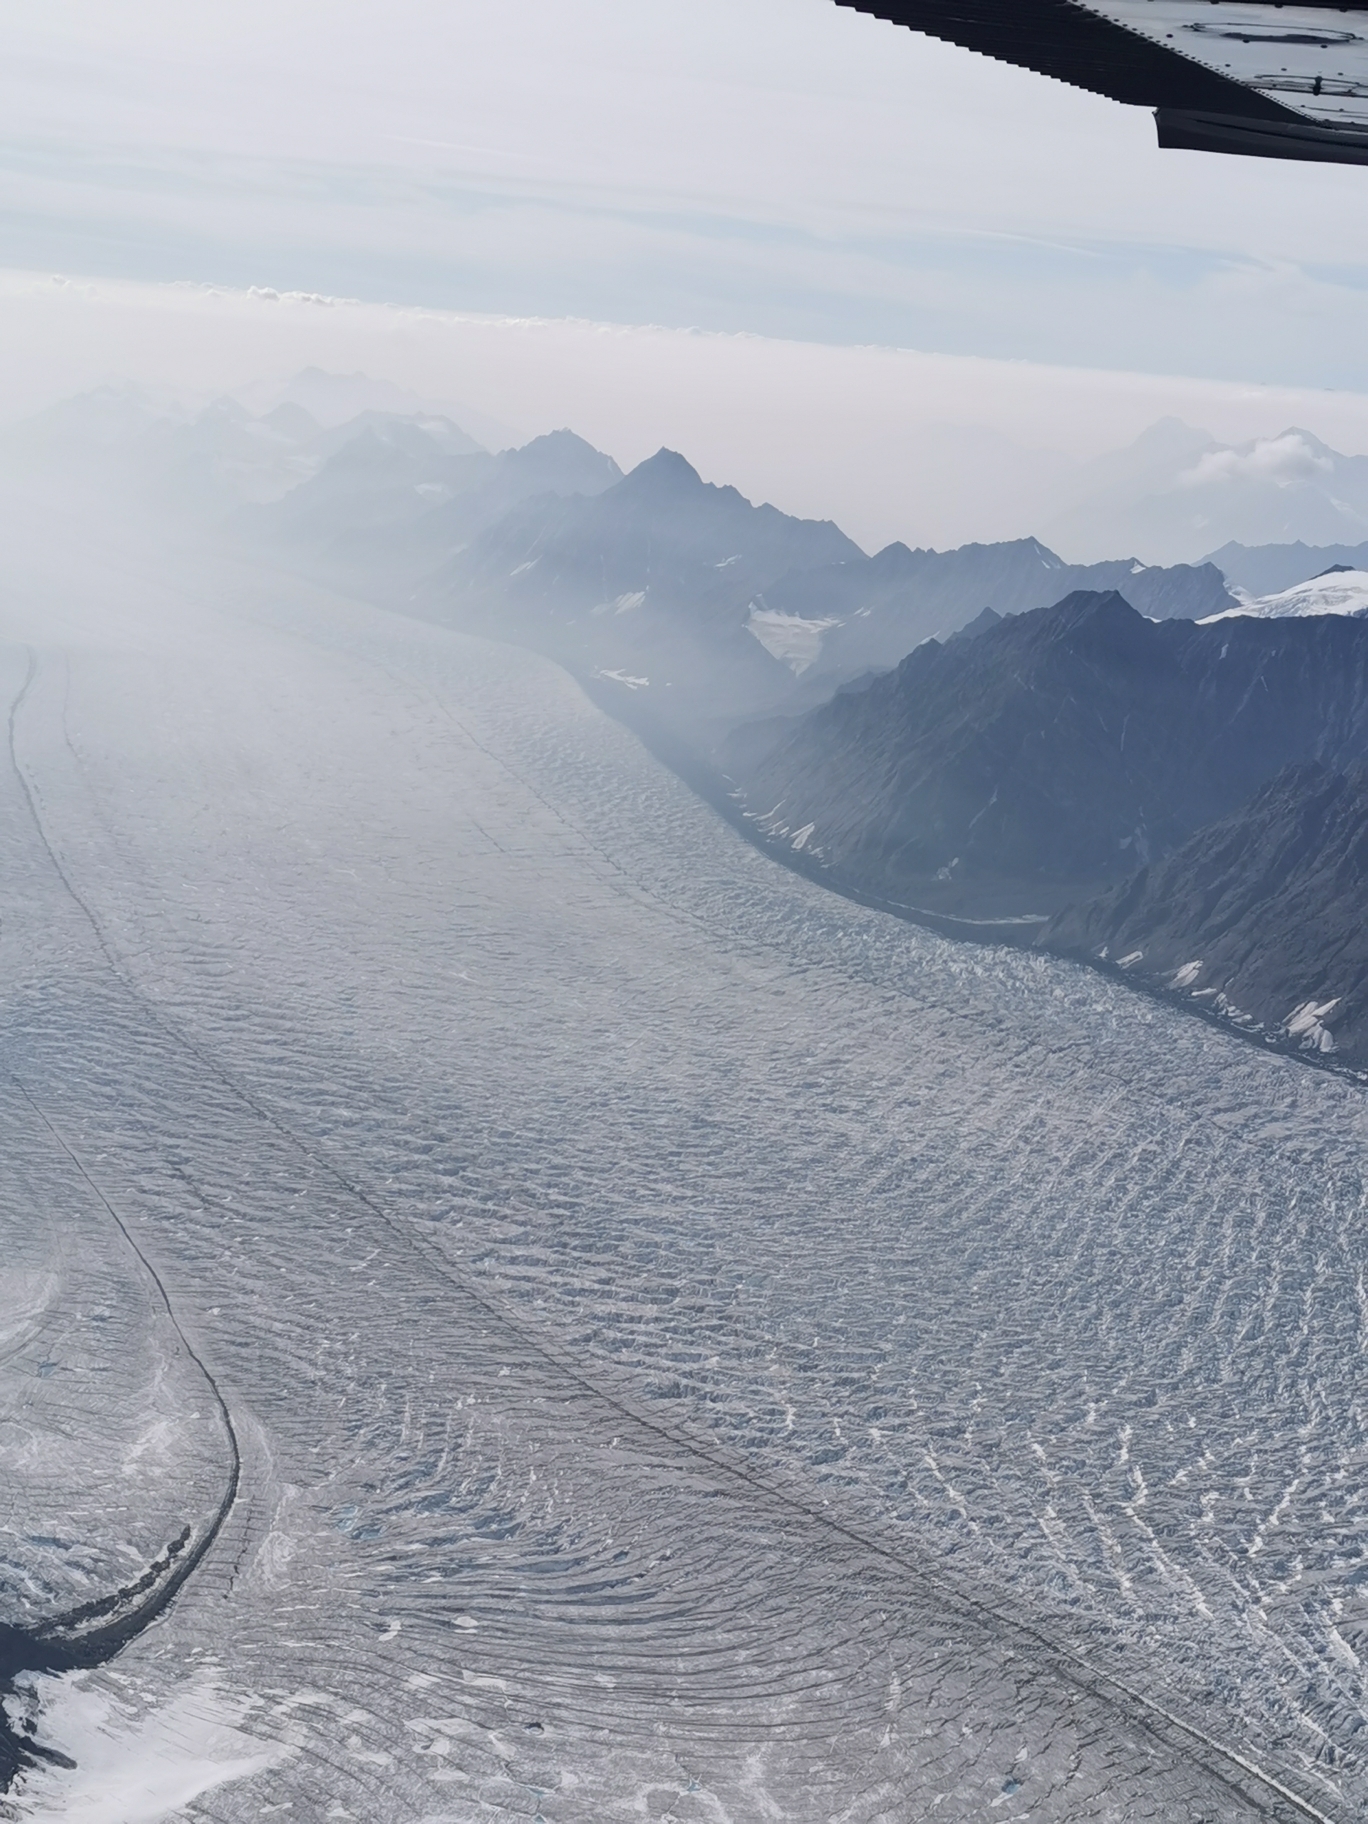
x: 1280, y: 461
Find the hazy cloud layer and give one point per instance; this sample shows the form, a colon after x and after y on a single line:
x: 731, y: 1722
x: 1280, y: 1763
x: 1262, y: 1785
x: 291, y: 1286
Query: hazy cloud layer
x: 934, y: 449
x: 784, y: 167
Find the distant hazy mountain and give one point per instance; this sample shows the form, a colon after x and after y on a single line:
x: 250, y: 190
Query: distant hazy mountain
x: 1033, y: 764
x: 653, y: 579
x: 559, y: 464
x: 380, y: 475
x: 1176, y: 493
x: 1338, y: 590
x: 869, y: 612
x: 293, y: 478
x: 336, y: 399
x: 1260, y: 917
x: 398, y: 496
x: 89, y: 423
x: 126, y: 445
x: 1267, y: 569
x: 417, y: 431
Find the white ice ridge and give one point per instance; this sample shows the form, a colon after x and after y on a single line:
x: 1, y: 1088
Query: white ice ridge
x: 1337, y: 592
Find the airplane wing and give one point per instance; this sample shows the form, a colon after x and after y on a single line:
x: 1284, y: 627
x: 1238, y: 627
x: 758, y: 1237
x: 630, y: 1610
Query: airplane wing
x: 1252, y: 76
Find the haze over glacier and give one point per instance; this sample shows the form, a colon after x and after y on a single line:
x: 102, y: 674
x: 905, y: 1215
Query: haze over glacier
x: 683, y: 974
x: 694, y: 1346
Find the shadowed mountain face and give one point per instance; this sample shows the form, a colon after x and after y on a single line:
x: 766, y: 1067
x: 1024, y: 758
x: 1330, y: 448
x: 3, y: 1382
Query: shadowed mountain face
x: 1029, y: 766
x: 1259, y: 917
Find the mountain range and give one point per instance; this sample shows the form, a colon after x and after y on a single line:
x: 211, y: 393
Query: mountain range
x: 396, y: 499
x: 1175, y: 494
x: 1151, y: 768
x: 1063, y: 774
x: 678, y: 584
x: 211, y: 461
x: 868, y: 612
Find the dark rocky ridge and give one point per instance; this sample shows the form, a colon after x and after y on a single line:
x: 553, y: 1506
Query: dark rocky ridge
x: 1031, y: 767
x: 1259, y: 917
x: 889, y: 603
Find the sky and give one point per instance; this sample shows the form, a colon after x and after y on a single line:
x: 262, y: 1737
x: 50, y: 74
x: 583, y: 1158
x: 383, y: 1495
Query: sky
x: 756, y: 176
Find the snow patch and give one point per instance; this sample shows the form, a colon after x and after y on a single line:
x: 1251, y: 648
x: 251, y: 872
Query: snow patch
x: 136, y: 1770
x: 1339, y: 592
x: 788, y: 637
x: 1307, y: 1023
x: 1186, y: 976
x: 620, y: 604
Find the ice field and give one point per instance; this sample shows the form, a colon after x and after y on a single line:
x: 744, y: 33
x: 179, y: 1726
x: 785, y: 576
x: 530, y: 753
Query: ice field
x: 695, y: 1348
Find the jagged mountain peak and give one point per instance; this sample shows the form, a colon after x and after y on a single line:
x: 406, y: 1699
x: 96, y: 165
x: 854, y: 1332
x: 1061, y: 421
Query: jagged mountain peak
x: 1088, y: 622
x: 1090, y: 608
x: 563, y: 439
x: 667, y: 472
x: 983, y: 622
x: 568, y: 463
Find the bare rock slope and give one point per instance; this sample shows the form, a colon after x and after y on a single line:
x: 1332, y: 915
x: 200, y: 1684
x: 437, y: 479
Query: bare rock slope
x: 1259, y: 917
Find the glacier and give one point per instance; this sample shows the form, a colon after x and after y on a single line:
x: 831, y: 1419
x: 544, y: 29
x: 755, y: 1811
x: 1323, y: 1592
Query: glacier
x: 690, y: 1346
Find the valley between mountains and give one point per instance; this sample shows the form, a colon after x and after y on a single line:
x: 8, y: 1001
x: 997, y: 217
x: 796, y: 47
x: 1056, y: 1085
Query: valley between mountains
x: 992, y: 739
x: 515, y: 1306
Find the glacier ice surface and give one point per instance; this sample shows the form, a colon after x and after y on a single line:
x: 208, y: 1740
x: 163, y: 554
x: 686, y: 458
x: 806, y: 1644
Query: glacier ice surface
x: 700, y: 1348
